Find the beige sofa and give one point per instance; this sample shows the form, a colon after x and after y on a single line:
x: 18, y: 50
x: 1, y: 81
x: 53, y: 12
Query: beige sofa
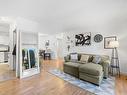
x: 90, y: 70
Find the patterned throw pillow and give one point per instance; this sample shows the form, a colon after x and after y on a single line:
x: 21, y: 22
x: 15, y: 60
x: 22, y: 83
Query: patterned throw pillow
x: 84, y: 58
x: 96, y: 59
x: 74, y: 56
x: 90, y: 58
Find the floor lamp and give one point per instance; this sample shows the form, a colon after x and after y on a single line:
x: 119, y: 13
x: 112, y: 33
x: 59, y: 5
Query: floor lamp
x: 114, y: 58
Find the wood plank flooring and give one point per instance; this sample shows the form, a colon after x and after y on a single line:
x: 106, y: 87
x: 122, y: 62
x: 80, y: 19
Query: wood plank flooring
x: 48, y: 84
x: 5, y: 73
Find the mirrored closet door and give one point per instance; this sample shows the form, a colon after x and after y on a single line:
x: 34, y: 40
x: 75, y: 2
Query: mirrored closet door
x: 28, y: 54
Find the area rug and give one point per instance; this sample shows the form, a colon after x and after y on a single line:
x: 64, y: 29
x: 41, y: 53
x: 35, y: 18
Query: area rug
x: 107, y: 86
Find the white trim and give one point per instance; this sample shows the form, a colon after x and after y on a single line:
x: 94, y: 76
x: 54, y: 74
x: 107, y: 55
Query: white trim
x: 30, y: 71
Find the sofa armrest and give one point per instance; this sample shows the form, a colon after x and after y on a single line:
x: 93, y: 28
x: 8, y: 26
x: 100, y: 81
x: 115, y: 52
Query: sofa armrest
x: 105, y: 64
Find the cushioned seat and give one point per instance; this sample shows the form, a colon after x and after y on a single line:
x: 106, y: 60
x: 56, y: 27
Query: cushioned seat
x: 91, y: 72
x: 72, y: 64
x: 92, y: 69
x: 72, y: 68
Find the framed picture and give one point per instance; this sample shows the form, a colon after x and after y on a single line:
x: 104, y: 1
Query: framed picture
x: 83, y: 39
x: 107, y: 41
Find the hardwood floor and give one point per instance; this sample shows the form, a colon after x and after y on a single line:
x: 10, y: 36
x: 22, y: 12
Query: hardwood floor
x: 48, y: 84
x: 5, y: 72
x: 121, y: 85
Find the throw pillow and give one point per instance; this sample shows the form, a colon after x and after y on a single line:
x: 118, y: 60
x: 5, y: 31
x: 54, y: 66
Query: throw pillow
x: 84, y: 58
x: 67, y: 58
x: 90, y: 58
x: 104, y: 58
x: 74, y: 56
x: 96, y: 59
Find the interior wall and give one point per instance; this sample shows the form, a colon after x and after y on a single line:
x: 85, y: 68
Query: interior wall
x: 98, y: 48
x: 108, y: 20
x: 4, y: 34
x: 4, y: 40
x: 52, y: 44
x: 59, y: 48
x: 27, y: 25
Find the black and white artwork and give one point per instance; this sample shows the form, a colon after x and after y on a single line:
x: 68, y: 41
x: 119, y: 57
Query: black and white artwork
x: 83, y: 39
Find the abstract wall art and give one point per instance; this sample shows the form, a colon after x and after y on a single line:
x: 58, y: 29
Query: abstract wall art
x: 83, y: 39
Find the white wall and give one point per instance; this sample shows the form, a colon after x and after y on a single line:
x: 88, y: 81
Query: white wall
x: 4, y: 39
x: 52, y: 44
x: 98, y: 48
x: 27, y: 25
x: 108, y: 18
x: 4, y: 33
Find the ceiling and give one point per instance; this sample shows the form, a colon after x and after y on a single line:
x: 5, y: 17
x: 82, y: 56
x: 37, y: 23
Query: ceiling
x: 57, y: 16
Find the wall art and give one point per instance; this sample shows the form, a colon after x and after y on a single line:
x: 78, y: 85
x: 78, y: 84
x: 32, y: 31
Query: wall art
x: 83, y: 39
x: 107, y: 41
x: 98, y: 38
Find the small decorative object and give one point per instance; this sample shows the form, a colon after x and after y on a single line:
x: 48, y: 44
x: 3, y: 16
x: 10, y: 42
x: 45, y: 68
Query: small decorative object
x: 107, y: 40
x: 47, y: 44
x: 98, y: 38
x: 72, y: 43
x: 68, y: 38
x: 83, y: 39
x: 68, y: 47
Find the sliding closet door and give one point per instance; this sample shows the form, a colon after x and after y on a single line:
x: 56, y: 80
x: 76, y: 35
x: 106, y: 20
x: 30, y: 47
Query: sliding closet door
x: 28, y: 49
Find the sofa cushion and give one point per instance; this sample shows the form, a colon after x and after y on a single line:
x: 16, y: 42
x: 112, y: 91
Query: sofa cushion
x: 96, y: 59
x: 90, y: 58
x: 72, y: 64
x: 81, y: 62
x: 92, y: 69
x: 84, y: 58
x: 104, y: 58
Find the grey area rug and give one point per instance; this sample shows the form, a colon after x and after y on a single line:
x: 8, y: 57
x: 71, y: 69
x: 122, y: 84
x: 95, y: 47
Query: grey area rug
x: 107, y: 86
